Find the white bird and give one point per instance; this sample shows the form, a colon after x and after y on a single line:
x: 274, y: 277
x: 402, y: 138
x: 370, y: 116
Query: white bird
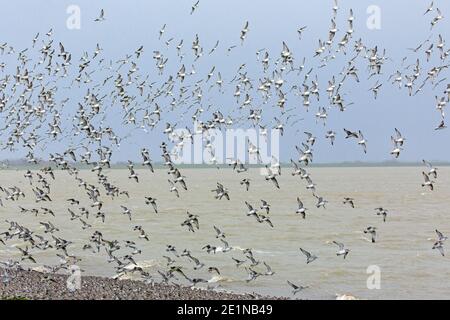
x: 173, y: 188
x: 428, y: 183
x: 342, y: 251
x: 194, y: 6
x: 101, y: 17
x: 296, y: 288
x: 244, y: 32
x: 362, y: 142
x: 431, y: 170
x: 372, y: 231
x: 429, y: 8
x: 301, y: 208
x: 439, y: 246
x: 309, y: 257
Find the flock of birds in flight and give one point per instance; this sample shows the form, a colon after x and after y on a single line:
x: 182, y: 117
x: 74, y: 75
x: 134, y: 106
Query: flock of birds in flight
x: 35, y: 117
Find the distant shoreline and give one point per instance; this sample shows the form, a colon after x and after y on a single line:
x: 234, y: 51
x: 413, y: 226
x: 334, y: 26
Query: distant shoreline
x: 387, y: 164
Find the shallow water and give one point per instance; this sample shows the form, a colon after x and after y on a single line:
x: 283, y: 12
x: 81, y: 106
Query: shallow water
x: 409, y: 267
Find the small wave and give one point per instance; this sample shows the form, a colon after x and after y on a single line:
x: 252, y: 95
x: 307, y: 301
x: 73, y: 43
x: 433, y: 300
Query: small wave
x: 122, y: 276
x: 254, y: 250
x: 147, y: 264
x: 41, y: 269
x: 265, y: 252
x: 345, y: 296
x: 219, y: 278
x: 199, y: 288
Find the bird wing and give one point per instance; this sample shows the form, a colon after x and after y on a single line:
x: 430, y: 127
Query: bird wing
x: 339, y: 244
x: 439, y: 234
x: 292, y: 285
x: 306, y: 253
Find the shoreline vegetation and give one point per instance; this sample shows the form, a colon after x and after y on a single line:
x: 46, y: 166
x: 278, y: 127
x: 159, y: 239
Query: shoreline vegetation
x: 35, y: 285
x: 23, y: 164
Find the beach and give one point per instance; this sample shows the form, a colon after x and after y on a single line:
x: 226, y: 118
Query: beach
x: 34, y: 285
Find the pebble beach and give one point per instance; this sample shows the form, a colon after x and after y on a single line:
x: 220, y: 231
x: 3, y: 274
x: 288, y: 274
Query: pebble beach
x: 34, y: 285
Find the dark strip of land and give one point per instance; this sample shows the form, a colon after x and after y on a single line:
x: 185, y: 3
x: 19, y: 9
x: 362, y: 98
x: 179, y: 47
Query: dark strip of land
x: 23, y: 284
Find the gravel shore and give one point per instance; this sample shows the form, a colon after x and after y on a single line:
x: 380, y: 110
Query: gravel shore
x: 22, y: 284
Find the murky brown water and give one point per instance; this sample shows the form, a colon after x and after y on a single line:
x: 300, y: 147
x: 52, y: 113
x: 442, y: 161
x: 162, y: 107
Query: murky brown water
x: 409, y: 267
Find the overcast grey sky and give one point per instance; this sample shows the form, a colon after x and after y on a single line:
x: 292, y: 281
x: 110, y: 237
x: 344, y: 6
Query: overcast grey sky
x: 130, y: 24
